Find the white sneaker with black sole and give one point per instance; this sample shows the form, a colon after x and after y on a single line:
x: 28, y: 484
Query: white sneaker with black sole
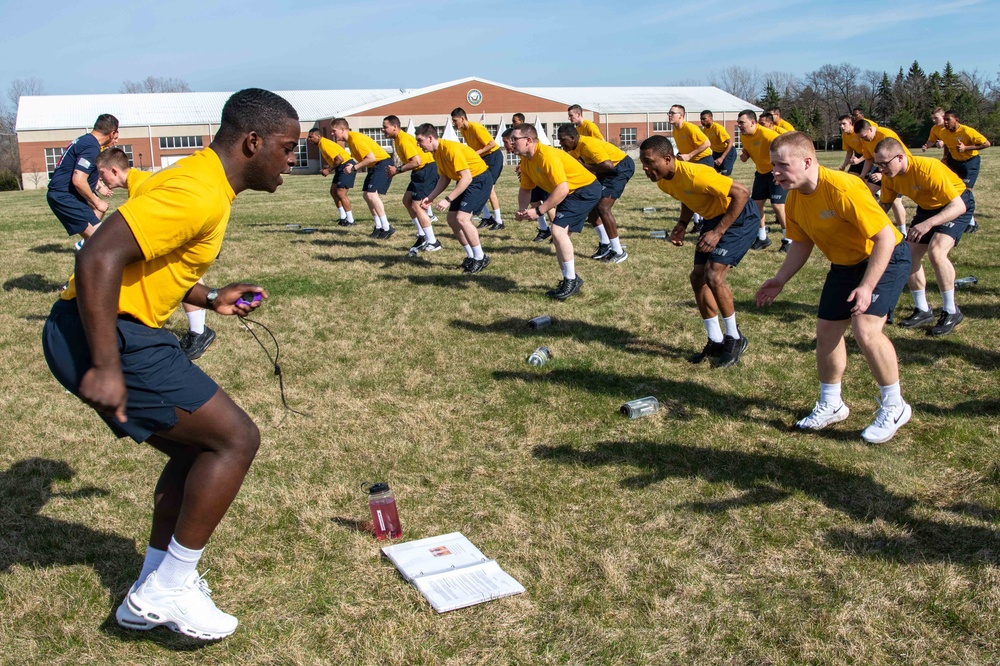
x: 888, y: 419
x: 824, y: 414
x: 188, y: 610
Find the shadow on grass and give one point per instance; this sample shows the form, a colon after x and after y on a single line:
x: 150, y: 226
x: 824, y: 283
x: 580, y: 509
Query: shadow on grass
x: 924, y: 350
x: 32, y: 282
x: 985, y: 408
x: 766, y: 479
x: 382, y: 261
x: 355, y: 525
x: 333, y: 242
x: 612, y: 336
x: 786, y: 312
x: 53, y: 248
x: 981, y: 310
x: 495, y: 283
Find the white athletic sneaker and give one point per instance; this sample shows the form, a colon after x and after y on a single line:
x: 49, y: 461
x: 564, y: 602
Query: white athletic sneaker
x: 888, y: 419
x: 187, y: 610
x: 79, y: 244
x: 129, y: 620
x: 824, y: 414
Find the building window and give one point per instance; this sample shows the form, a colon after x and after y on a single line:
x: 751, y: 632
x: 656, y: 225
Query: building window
x: 441, y: 128
x: 662, y: 126
x: 737, y: 144
x: 492, y: 129
x: 511, y: 158
x: 52, y: 157
x: 301, y: 153
x: 168, y: 142
x: 627, y: 136
x: 127, y: 149
x: 379, y: 137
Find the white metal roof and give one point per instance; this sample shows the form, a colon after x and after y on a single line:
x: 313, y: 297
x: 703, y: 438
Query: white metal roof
x: 635, y: 99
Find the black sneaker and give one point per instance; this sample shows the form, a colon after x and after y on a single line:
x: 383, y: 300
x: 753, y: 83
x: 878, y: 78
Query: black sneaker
x: 376, y: 233
x: 419, y: 243
x: 784, y: 245
x: 696, y: 229
x: 497, y: 226
x: 342, y: 222
x: 569, y: 288
x: 386, y: 233
x: 971, y: 229
x: 615, y: 257
x: 479, y: 264
x: 916, y: 318
x: 760, y: 244
x: 945, y: 323
x: 711, y: 350
x: 602, y: 251
x: 467, y: 265
x: 543, y: 235
x: 485, y: 222
x: 431, y: 247
x: 551, y: 293
x: 732, y: 350
x: 194, y: 344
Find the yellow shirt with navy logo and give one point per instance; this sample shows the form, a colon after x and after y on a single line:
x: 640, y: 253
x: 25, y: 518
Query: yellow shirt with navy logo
x: 688, y: 137
x: 850, y: 141
x: 550, y: 167
x: 477, y: 137
x: 927, y: 181
x: 868, y: 147
x: 178, y: 217
x: 453, y: 157
x: 783, y: 126
x: 589, y: 128
x: 407, y: 149
x: 840, y: 217
x: 596, y: 151
x: 717, y: 137
x: 701, y: 188
x: 134, y: 179
x: 967, y: 136
x: 362, y: 144
x: 758, y: 145
x: 331, y: 150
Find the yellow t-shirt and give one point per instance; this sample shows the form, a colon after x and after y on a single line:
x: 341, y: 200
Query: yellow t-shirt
x: 968, y: 136
x: 935, y: 134
x: 134, y: 179
x: 868, y: 147
x: 781, y: 130
x: 453, y: 157
x: 851, y: 141
x: 407, y: 149
x: 362, y: 144
x: 701, y: 188
x: 927, y: 181
x: 589, y: 128
x: 549, y: 167
x: 597, y: 151
x: 783, y: 126
x: 717, y: 136
x: 477, y: 137
x: 758, y: 145
x: 840, y: 217
x: 178, y: 217
x: 688, y: 137
x: 331, y: 150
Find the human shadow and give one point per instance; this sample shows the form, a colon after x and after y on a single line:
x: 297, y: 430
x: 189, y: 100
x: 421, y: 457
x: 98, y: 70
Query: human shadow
x: 459, y: 281
x: 382, y: 261
x: 32, y: 282
x: 983, y: 408
x: 52, y: 248
x: 785, y: 311
x: 333, y: 242
x: 922, y: 349
x: 981, y: 310
x: 767, y: 479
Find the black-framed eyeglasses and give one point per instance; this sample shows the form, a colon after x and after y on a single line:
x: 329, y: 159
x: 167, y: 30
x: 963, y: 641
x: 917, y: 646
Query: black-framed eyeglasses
x: 515, y: 139
x: 885, y: 165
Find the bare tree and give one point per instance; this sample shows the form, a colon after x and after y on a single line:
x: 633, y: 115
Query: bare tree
x: 24, y: 87
x: 155, y: 84
x: 741, y: 82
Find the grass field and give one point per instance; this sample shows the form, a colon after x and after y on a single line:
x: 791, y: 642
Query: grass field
x: 707, y: 533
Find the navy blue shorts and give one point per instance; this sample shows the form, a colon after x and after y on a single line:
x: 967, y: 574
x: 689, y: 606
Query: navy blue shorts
x: 613, y: 182
x: 494, y: 162
x: 572, y: 212
x: 842, y: 280
x: 539, y: 195
x: 726, y: 168
x: 159, y: 377
x: 423, y: 182
x: 856, y: 168
x: 475, y: 195
x: 968, y: 170
x: 707, y: 160
x: 764, y: 187
x: 955, y: 228
x: 343, y: 180
x: 378, y: 179
x: 736, y: 242
x: 73, y: 212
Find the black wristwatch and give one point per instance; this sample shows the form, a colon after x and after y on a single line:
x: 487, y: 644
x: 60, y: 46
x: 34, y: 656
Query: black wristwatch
x: 210, y: 298
x: 538, y: 211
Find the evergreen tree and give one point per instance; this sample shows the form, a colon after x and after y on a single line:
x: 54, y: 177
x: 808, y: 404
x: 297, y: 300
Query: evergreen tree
x: 885, y: 102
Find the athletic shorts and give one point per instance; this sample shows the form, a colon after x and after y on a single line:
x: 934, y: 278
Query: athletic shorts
x: 707, y: 160
x: 736, y: 242
x: 159, y: 377
x: 423, y: 182
x: 726, y: 168
x: 73, y: 212
x: 842, y: 280
x: 342, y: 180
x: 378, y: 179
x: 475, y: 195
x: 764, y: 187
x: 613, y: 182
x: 953, y: 229
x: 968, y: 170
x: 572, y: 212
x: 494, y: 162
x: 856, y: 168
x: 539, y: 195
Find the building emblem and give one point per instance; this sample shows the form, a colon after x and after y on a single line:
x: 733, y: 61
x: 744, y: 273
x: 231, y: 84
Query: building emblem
x: 475, y: 97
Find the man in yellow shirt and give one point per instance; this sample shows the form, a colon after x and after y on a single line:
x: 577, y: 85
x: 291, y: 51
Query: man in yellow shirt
x: 756, y: 142
x: 613, y: 168
x: 473, y: 183
x: 104, y: 341
x: 692, y: 146
x: 583, y: 126
x: 479, y: 139
x: 854, y: 161
x: 334, y: 156
x: 573, y: 192
x: 869, y: 266
x: 367, y: 153
x: 869, y: 134
x: 780, y: 124
x: 423, y: 178
x: 962, y: 145
x: 723, y: 155
x: 538, y: 195
x: 730, y: 229
x: 767, y: 120
x: 944, y: 207
x: 934, y: 137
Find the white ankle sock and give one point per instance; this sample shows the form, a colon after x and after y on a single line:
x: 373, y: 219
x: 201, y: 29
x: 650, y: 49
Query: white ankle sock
x: 920, y: 299
x: 731, y: 329
x: 196, y: 321
x: 420, y: 230
x: 569, y: 269
x: 468, y: 251
x: 542, y: 224
x: 154, y: 556
x: 948, y: 301
x: 343, y: 213
x: 429, y: 234
x: 350, y: 216
x: 496, y: 215
x: 602, y: 234
x: 477, y: 252
x: 762, y: 233
x: 830, y: 394
x: 177, y: 565
x: 891, y: 394
x: 713, y: 329
x: 616, y: 245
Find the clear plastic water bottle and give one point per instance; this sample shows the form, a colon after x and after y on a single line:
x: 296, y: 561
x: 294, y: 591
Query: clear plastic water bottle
x: 385, y: 516
x: 640, y: 407
x: 966, y: 281
x: 658, y: 234
x: 540, y: 356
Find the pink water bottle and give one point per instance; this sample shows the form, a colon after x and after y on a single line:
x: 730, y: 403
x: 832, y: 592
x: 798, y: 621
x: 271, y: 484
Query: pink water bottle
x: 385, y: 517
